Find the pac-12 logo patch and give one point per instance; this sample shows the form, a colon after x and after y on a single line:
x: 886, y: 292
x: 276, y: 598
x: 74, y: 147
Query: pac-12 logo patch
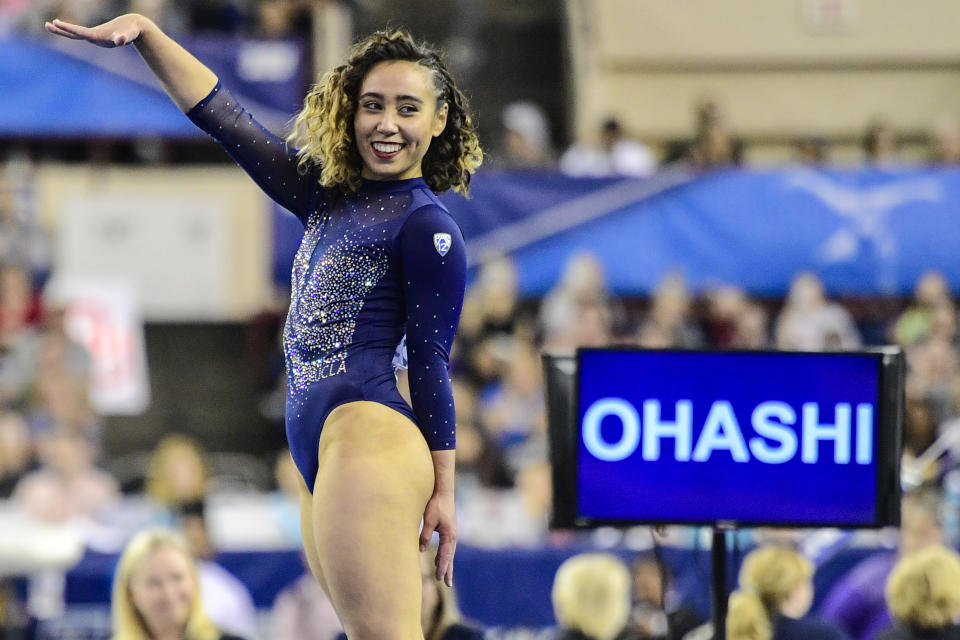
x: 442, y: 243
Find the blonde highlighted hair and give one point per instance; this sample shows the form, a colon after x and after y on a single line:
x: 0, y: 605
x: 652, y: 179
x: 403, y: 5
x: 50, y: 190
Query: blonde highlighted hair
x: 591, y: 594
x: 767, y: 579
x: 128, y: 623
x: 923, y: 589
x: 323, y: 131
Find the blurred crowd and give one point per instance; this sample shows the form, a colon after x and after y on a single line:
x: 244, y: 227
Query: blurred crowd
x: 55, y: 471
x: 502, y: 424
x: 525, y: 143
x: 259, y: 18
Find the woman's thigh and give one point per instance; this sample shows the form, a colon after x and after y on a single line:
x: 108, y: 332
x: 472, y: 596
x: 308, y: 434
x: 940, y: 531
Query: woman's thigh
x: 306, y: 532
x: 374, y: 478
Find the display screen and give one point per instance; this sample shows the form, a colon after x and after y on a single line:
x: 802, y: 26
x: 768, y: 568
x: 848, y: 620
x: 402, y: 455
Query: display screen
x: 743, y: 437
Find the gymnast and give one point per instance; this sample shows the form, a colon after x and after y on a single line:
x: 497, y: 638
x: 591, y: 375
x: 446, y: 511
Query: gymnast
x: 378, y: 281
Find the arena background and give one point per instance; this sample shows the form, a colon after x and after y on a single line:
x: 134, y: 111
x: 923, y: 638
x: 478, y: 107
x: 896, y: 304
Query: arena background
x: 780, y: 174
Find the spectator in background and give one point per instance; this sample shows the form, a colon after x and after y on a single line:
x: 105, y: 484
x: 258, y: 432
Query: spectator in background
x: 285, y: 501
x: 920, y: 431
x: 591, y: 597
x: 812, y: 151
x: 856, y: 601
x: 58, y: 391
x: 279, y: 20
x: 514, y: 413
x: 775, y: 594
x: 226, y: 599
x: 440, y: 616
x: 655, y: 612
x: 880, y: 146
x: 934, y: 375
x: 750, y: 328
x: 67, y: 485
x: 578, y: 311
x: 303, y: 611
x: 156, y: 592
x: 670, y: 316
x: 930, y: 294
x: 809, y: 322
x: 177, y: 475
x: 19, y: 305
x: 615, y: 155
x: 724, y: 306
x: 48, y: 373
x: 712, y: 146
x: 945, y: 142
x: 490, y: 316
x: 923, y: 594
x: 526, y: 137
x: 480, y: 462
x: 17, y: 456
x: 23, y: 241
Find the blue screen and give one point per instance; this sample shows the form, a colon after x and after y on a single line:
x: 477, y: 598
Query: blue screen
x: 746, y: 437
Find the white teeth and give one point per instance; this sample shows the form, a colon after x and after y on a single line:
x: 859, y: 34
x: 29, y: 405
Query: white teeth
x: 386, y: 147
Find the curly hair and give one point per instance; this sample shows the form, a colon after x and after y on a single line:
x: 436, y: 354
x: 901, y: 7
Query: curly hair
x: 324, y: 134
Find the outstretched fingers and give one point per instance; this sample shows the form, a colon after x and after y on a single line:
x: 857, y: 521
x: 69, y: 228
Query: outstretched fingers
x: 54, y: 29
x: 77, y: 30
x: 115, y: 33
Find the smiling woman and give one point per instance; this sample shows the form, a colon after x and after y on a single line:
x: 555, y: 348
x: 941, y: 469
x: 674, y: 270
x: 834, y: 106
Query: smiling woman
x: 378, y: 279
x: 156, y: 592
x: 421, y: 92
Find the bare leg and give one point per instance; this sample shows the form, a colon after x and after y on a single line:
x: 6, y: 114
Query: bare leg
x: 375, y: 477
x: 306, y: 532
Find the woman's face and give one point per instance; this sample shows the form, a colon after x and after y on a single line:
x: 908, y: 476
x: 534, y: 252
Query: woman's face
x: 396, y: 118
x: 162, y: 589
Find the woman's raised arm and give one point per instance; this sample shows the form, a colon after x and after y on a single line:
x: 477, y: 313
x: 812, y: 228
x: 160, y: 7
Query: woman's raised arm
x: 185, y: 79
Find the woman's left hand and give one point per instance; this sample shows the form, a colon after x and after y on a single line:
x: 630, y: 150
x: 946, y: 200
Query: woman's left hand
x: 441, y: 516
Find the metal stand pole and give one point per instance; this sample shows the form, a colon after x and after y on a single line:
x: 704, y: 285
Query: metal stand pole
x: 718, y: 557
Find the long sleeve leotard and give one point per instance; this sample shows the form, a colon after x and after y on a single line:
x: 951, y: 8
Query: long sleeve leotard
x: 373, y: 267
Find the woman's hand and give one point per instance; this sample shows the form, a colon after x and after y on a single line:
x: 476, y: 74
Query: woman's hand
x: 441, y: 516
x: 116, y: 33
x: 183, y: 77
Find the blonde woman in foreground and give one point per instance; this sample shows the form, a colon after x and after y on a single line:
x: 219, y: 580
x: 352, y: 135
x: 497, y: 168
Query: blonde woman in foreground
x: 156, y: 592
x: 591, y: 597
x: 923, y: 593
x: 776, y: 591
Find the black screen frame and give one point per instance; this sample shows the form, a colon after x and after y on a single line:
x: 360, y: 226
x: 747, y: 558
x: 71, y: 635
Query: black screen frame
x: 562, y: 395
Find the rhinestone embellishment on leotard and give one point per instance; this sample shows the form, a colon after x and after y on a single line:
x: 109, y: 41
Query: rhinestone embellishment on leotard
x: 324, y: 305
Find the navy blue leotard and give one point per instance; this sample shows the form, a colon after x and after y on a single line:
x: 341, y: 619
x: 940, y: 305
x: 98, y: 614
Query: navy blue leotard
x: 375, y: 268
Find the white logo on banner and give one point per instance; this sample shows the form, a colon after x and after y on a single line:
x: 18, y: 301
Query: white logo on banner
x: 866, y: 211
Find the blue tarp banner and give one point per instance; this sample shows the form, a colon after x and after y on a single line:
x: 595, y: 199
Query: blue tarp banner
x: 53, y: 87
x: 864, y: 232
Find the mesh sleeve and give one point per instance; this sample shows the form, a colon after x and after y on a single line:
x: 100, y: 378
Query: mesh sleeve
x: 434, y: 267
x: 264, y: 156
